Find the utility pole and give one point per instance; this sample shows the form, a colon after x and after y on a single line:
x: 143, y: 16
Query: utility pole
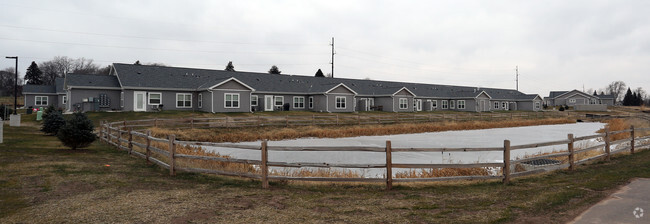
x: 15, y: 84
x: 332, y: 57
x: 517, y: 78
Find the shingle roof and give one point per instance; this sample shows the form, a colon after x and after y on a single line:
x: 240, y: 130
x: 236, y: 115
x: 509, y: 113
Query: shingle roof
x: 554, y: 94
x: 606, y: 96
x: 39, y: 88
x: 146, y: 76
x: 91, y: 80
x: 59, y: 83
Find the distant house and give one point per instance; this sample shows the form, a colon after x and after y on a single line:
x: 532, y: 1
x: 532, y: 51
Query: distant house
x: 151, y: 88
x: 576, y: 97
x: 45, y: 95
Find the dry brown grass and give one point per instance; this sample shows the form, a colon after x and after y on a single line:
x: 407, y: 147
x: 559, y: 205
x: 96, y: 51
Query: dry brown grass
x: 276, y: 133
x: 442, y: 172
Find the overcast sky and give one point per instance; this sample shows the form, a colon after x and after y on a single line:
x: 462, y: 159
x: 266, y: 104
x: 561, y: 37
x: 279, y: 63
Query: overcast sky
x: 558, y: 45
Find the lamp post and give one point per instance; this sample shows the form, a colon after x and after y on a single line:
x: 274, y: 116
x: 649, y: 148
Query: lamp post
x: 15, y: 84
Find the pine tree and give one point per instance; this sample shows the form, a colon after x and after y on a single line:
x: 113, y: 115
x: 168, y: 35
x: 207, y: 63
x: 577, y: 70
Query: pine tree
x: 137, y: 62
x: 34, y: 75
x: 274, y: 70
x: 52, y: 123
x: 77, y: 132
x: 319, y: 73
x: 595, y: 93
x: 628, y: 98
x: 230, y: 67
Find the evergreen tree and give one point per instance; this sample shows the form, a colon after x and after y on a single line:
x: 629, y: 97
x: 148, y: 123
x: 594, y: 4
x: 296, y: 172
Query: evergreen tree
x: 230, y: 67
x: 628, y: 98
x: 274, y: 70
x: 319, y: 73
x: 137, y: 62
x: 77, y: 132
x: 53, y: 122
x: 602, y: 93
x: 595, y: 93
x: 34, y: 75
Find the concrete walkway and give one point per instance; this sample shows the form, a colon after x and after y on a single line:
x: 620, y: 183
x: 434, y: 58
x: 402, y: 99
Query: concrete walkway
x: 631, y: 204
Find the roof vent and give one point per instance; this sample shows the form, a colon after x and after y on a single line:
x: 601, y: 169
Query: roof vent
x: 139, y: 73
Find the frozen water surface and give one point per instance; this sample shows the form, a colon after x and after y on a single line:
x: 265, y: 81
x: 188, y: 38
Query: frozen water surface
x: 448, y: 139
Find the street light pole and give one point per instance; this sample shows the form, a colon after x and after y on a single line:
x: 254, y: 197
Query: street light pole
x: 15, y: 84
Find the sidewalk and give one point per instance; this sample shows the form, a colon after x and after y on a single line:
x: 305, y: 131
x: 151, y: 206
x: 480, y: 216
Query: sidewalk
x: 631, y: 204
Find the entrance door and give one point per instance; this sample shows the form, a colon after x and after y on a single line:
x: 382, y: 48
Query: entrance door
x: 418, y: 105
x: 268, y: 103
x: 139, y: 101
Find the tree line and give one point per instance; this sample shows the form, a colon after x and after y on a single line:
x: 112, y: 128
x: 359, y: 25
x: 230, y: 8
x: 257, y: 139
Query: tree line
x: 630, y: 97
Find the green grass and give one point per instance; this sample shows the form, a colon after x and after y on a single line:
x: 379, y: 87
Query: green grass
x: 42, y: 181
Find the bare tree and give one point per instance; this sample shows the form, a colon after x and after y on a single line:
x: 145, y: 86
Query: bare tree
x: 7, y: 82
x: 84, y: 66
x: 616, y: 88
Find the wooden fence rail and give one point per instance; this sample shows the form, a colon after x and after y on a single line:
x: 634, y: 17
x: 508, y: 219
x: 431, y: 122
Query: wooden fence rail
x: 163, y: 152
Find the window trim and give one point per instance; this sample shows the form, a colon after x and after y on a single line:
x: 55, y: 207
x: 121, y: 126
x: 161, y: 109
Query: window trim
x: 183, y: 94
x: 434, y: 104
x: 344, y: 102
x: 444, y: 104
x: 64, y: 99
x: 199, y: 101
x: 296, y: 102
x: 572, y: 100
x: 256, y: 100
x: 47, y: 100
x: 504, y: 105
x: 496, y: 105
x: 275, y: 101
x: 537, y: 105
x: 122, y: 99
x: 149, y: 98
x: 452, y: 104
x: 225, y: 101
x: 458, y: 103
x: 311, y: 102
x: 405, y: 104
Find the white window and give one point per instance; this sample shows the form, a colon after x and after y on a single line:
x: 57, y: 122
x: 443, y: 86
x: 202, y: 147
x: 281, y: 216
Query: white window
x: 537, y: 106
x: 504, y: 105
x: 254, y: 101
x: 231, y: 100
x: 434, y: 104
x: 403, y: 103
x: 461, y: 104
x: 183, y: 100
x: 445, y: 104
x: 340, y: 102
x: 121, y: 99
x: 572, y: 100
x: 279, y: 101
x: 65, y: 99
x: 311, y: 102
x: 496, y: 105
x: 155, y: 98
x: 200, y: 102
x: 452, y: 104
x: 41, y: 100
x: 299, y: 102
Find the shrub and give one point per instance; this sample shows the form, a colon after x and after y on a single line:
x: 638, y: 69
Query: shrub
x: 8, y: 112
x: 561, y: 108
x: 52, y: 122
x: 77, y: 132
x: 566, y: 107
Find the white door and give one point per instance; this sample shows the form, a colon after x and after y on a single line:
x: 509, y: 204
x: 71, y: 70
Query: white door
x: 268, y: 103
x: 418, y: 105
x: 139, y: 101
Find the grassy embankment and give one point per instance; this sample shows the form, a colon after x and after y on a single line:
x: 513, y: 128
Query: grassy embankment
x: 41, y: 181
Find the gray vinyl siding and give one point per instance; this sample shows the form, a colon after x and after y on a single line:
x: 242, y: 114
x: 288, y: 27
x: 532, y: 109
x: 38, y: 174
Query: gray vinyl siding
x: 60, y: 101
x: 529, y: 105
x: 320, y: 103
x: 219, y: 101
x: 168, y: 100
x: 385, y: 102
x: 409, y: 105
x: 608, y: 102
x: 349, y: 103
x: 470, y: 105
x: 260, y: 103
x: 207, y: 101
x: 232, y: 85
x: 30, y: 100
x: 78, y: 95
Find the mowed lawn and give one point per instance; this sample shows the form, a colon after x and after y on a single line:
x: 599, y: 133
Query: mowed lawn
x: 42, y: 181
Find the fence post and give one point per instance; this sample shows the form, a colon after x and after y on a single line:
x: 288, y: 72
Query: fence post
x: 389, y: 166
x: 155, y: 122
x: 287, y: 121
x: 312, y: 119
x: 358, y: 119
x: 265, y: 169
x: 571, y: 150
x: 632, y: 139
x: 148, y: 151
x: 130, y: 140
x: 506, y: 161
x: 172, y: 153
x: 124, y: 124
x: 119, y: 138
x: 191, y: 123
x: 607, y: 149
x: 108, y: 130
x: 337, y: 119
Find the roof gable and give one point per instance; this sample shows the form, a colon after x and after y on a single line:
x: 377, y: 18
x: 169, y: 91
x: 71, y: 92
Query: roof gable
x: 232, y: 83
x: 404, y: 91
x: 339, y: 87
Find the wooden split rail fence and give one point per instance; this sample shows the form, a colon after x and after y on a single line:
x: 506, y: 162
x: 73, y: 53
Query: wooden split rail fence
x: 164, y: 152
